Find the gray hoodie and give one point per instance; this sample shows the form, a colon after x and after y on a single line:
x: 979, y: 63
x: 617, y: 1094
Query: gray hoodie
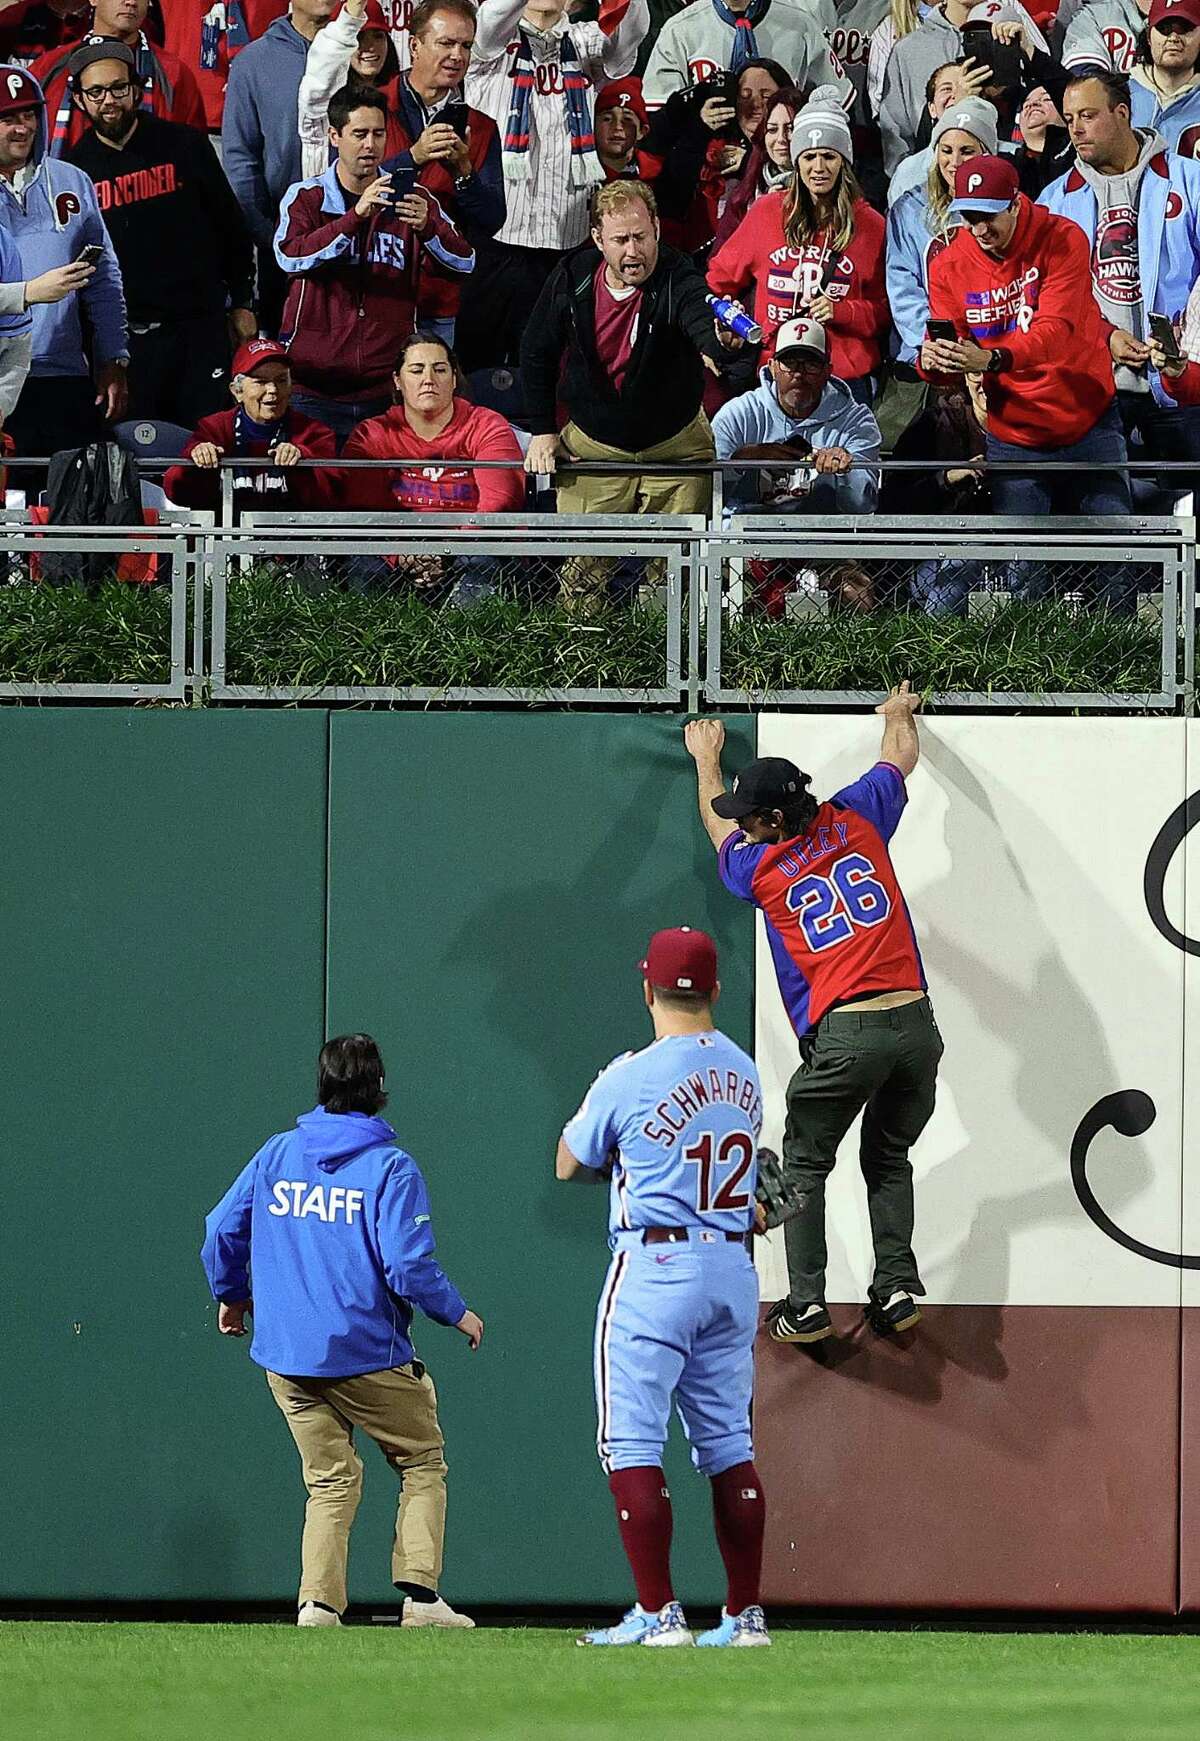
x: 1116, y: 275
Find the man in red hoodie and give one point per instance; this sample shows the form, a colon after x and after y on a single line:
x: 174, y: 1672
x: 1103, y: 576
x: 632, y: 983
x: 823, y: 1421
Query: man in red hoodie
x: 169, y: 88
x: 1015, y: 284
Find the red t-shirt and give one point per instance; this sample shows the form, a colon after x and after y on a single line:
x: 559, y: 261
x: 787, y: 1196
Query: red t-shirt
x: 616, y: 328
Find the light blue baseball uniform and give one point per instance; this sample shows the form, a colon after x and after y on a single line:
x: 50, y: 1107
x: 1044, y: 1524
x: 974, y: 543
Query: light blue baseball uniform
x: 680, y: 1123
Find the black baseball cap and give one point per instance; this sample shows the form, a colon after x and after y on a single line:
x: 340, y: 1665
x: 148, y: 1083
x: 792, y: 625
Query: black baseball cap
x: 770, y: 783
x: 97, y: 48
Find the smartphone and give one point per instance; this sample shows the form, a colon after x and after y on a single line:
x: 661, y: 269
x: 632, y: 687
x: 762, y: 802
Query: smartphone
x: 941, y: 329
x: 88, y: 256
x: 455, y: 115
x: 403, y: 182
x: 1163, y: 333
x: 722, y: 84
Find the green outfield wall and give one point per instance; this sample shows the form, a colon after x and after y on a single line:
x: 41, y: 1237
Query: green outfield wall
x: 191, y: 901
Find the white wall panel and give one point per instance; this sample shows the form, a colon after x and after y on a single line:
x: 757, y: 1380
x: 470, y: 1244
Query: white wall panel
x: 1022, y: 855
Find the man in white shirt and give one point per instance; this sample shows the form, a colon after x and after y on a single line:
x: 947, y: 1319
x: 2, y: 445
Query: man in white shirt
x: 535, y: 73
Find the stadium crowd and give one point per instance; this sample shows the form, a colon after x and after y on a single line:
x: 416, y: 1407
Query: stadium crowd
x: 446, y: 232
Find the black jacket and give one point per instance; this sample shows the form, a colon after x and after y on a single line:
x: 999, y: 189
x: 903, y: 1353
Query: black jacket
x: 665, y: 382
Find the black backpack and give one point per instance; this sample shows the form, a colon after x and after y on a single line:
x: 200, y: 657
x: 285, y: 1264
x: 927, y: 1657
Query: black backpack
x: 96, y: 485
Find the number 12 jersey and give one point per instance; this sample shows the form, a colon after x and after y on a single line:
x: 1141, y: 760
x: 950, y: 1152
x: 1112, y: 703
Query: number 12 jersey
x: 837, y: 924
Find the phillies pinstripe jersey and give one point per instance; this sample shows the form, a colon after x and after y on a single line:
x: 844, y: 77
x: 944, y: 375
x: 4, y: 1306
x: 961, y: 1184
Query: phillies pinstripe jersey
x: 836, y: 920
x: 680, y: 1122
x: 545, y: 209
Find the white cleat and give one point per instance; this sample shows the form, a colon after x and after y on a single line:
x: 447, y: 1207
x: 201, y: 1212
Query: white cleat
x: 668, y: 1627
x: 435, y: 1613
x: 738, y: 1631
x: 311, y: 1615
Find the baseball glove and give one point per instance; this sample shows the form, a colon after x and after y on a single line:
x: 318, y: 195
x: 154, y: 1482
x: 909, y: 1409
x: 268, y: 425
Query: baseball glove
x: 779, y: 1199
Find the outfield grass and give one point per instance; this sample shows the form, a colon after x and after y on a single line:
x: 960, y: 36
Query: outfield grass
x: 127, y: 1682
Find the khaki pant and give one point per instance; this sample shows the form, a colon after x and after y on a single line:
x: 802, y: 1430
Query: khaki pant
x: 585, y: 578
x: 398, y: 1411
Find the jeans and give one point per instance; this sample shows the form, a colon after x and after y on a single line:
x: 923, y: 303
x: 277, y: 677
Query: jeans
x: 440, y: 327
x: 341, y: 415
x: 1100, y: 486
x: 1166, y: 432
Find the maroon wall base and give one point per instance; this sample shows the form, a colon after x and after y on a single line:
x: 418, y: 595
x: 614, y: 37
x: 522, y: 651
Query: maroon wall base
x: 1017, y: 1457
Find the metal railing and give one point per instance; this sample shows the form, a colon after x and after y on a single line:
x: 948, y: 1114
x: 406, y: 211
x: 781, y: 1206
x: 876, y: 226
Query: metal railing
x: 639, y: 609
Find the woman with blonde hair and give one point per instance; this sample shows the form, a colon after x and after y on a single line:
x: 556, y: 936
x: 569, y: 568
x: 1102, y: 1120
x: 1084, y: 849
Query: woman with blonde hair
x: 921, y: 224
x: 902, y: 19
x: 815, y: 247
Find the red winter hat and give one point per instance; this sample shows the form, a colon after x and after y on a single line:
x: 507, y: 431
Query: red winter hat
x: 373, y: 18
x: 18, y: 91
x: 1162, y: 11
x: 256, y: 351
x: 681, y: 960
x: 622, y: 94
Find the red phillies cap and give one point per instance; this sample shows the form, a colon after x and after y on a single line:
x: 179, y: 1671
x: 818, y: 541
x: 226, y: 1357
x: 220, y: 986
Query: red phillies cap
x: 18, y: 91
x: 681, y: 960
x: 373, y: 18
x: 256, y: 351
x: 985, y: 184
x: 1162, y: 11
x: 623, y: 94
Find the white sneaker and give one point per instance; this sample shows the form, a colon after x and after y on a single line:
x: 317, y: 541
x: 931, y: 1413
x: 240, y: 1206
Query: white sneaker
x: 311, y: 1615
x: 668, y: 1627
x: 435, y: 1613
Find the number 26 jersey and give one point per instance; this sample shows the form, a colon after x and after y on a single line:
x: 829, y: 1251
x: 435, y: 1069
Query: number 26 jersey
x: 837, y: 924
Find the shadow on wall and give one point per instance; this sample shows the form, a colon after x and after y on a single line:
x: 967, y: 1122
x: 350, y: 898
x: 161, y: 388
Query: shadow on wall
x: 1053, y: 1051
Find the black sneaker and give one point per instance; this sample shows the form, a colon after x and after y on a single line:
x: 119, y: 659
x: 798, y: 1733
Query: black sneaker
x: 898, y: 1312
x: 808, y: 1323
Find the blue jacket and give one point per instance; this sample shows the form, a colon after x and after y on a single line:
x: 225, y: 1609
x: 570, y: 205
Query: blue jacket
x: 1180, y: 117
x: 910, y: 244
x: 51, y: 221
x: 838, y: 420
x: 1168, y: 233
x: 260, y: 130
x: 333, y: 1220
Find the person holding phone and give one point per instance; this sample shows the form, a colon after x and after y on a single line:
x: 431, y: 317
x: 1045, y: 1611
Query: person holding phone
x: 1176, y: 355
x: 352, y: 243
x: 1138, y: 204
x: 713, y: 33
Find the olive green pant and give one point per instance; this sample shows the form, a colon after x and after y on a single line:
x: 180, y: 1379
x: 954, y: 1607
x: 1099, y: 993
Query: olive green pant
x: 398, y: 1409
x: 882, y: 1063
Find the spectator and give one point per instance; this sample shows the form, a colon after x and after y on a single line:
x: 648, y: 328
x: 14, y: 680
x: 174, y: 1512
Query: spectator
x: 728, y: 33
x: 352, y: 251
x: 50, y: 212
x: 260, y: 138
x: 901, y: 20
x: 180, y: 241
x: 262, y: 422
x: 922, y: 222
x: 816, y: 249
x: 624, y: 342
x: 206, y: 36
x: 168, y: 87
x: 31, y: 28
x: 1164, y: 84
x: 937, y: 38
x: 857, y: 21
x: 671, y: 149
x: 354, y: 49
x: 768, y: 163
x: 1180, y: 377
x: 1013, y: 284
x: 1045, y: 149
x: 759, y: 82
x: 431, y: 426
x: 532, y: 71
x: 1138, y: 205
x: 16, y: 322
x: 621, y: 123
x: 948, y: 85
x: 799, y: 413
x: 1103, y: 33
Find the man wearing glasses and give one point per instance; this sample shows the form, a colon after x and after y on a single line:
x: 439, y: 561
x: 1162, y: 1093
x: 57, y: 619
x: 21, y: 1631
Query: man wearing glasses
x: 179, y: 235
x: 800, y: 412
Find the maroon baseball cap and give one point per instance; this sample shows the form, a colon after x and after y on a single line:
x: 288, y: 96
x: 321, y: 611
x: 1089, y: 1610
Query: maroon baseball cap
x: 681, y: 960
x: 622, y: 94
x: 18, y: 91
x: 985, y: 184
x: 1162, y: 11
x: 256, y: 351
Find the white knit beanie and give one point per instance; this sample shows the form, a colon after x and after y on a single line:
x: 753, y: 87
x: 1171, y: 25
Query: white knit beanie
x: 822, y: 125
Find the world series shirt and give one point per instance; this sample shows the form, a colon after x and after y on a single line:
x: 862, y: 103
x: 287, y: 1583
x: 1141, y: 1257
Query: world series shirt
x: 836, y: 921
x: 679, y: 1121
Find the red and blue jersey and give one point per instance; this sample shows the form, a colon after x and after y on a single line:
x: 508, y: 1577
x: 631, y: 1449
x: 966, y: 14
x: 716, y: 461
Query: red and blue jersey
x: 837, y: 923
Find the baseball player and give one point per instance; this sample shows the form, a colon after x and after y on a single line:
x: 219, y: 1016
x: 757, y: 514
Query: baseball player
x: 851, y: 978
x: 678, y: 1123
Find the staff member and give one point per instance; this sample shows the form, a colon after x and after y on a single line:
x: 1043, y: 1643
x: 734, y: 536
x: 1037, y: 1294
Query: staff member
x: 180, y: 239
x: 333, y: 1220
x: 852, y: 981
